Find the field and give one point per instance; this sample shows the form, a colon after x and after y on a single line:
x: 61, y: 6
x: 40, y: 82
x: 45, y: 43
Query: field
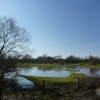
x: 57, y: 65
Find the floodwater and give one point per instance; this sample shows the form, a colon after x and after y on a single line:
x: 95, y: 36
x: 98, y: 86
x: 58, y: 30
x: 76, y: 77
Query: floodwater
x: 57, y: 71
x: 63, y: 71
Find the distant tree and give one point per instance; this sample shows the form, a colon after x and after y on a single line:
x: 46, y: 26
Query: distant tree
x: 50, y: 60
x: 27, y: 58
x: 44, y: 58
x: 58, y: 59
x: 70, y: 59
x: 13, y: 40
x: 94, y: 60
x: 85, y: 59
x: 39, y: 59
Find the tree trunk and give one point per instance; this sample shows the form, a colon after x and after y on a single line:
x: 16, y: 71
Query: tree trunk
x: 1, y: 87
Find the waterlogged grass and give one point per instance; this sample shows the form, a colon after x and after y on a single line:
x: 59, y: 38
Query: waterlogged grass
x: 25, y: 65
x: 71, y: 78
x: 72, y: 71
x: 53, y: 65
x: 90, y: 66
x: 46, y: 65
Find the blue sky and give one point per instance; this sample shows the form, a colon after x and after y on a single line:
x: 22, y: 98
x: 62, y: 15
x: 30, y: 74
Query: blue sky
x: 58, y: 27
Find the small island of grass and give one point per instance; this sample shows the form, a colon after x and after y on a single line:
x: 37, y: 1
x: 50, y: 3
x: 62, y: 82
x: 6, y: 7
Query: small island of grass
x: 71, y: 78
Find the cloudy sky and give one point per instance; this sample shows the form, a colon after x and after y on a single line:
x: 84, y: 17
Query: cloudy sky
x: 58, y: 27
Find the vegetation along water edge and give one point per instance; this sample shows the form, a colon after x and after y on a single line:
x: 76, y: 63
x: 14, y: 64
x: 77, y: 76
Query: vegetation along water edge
x: 27, y: 65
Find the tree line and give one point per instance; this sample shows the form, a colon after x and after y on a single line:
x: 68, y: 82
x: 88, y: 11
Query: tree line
x: 93, y: 60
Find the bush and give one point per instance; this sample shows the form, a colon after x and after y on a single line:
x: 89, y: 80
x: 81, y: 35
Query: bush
x: 93, y: 82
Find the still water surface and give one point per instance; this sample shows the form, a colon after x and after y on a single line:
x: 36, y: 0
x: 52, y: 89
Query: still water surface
x: 55, y: 72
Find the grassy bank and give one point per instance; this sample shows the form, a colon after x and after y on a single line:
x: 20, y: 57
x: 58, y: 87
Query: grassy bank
x: 27, y: 65
x: 53, y: 79
x: 90, y: 66
x: 46, y: 65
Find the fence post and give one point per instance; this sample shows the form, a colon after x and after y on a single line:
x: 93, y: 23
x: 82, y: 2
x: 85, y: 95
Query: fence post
x: 53, y: 88
x: 78, y: 83
x: 43, y: 87
x: 83, y: 82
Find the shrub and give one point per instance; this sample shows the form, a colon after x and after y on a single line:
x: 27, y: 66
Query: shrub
x: 93, y: 82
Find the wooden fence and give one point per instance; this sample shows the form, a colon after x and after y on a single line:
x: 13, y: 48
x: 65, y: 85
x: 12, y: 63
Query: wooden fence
x: 80, y: 83
x: 63, y: 88
x: 56, y: 88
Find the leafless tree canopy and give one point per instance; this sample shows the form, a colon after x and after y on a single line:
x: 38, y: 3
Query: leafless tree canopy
x: 13, y: 40
x: 12, y: 37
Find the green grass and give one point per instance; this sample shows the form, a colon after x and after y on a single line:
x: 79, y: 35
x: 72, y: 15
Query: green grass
x: 53, y: 79
x: 53, y: 65
x: 72, y: 71
x: 46, y: 65
x: 90, y: 66
x: 68, y: 83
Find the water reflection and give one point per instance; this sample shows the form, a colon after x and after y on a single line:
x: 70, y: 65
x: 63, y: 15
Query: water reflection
x: 63, y: 71
x: 90, y: 71
x: 43, y: 72
x: 20, y: 80
x: 95, y: 72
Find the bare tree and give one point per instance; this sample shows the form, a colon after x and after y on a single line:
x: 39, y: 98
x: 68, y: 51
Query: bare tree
x: 12, y: 37
x: 13, y: 40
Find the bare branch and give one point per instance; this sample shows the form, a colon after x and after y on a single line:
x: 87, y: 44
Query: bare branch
x: 12, y: 37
